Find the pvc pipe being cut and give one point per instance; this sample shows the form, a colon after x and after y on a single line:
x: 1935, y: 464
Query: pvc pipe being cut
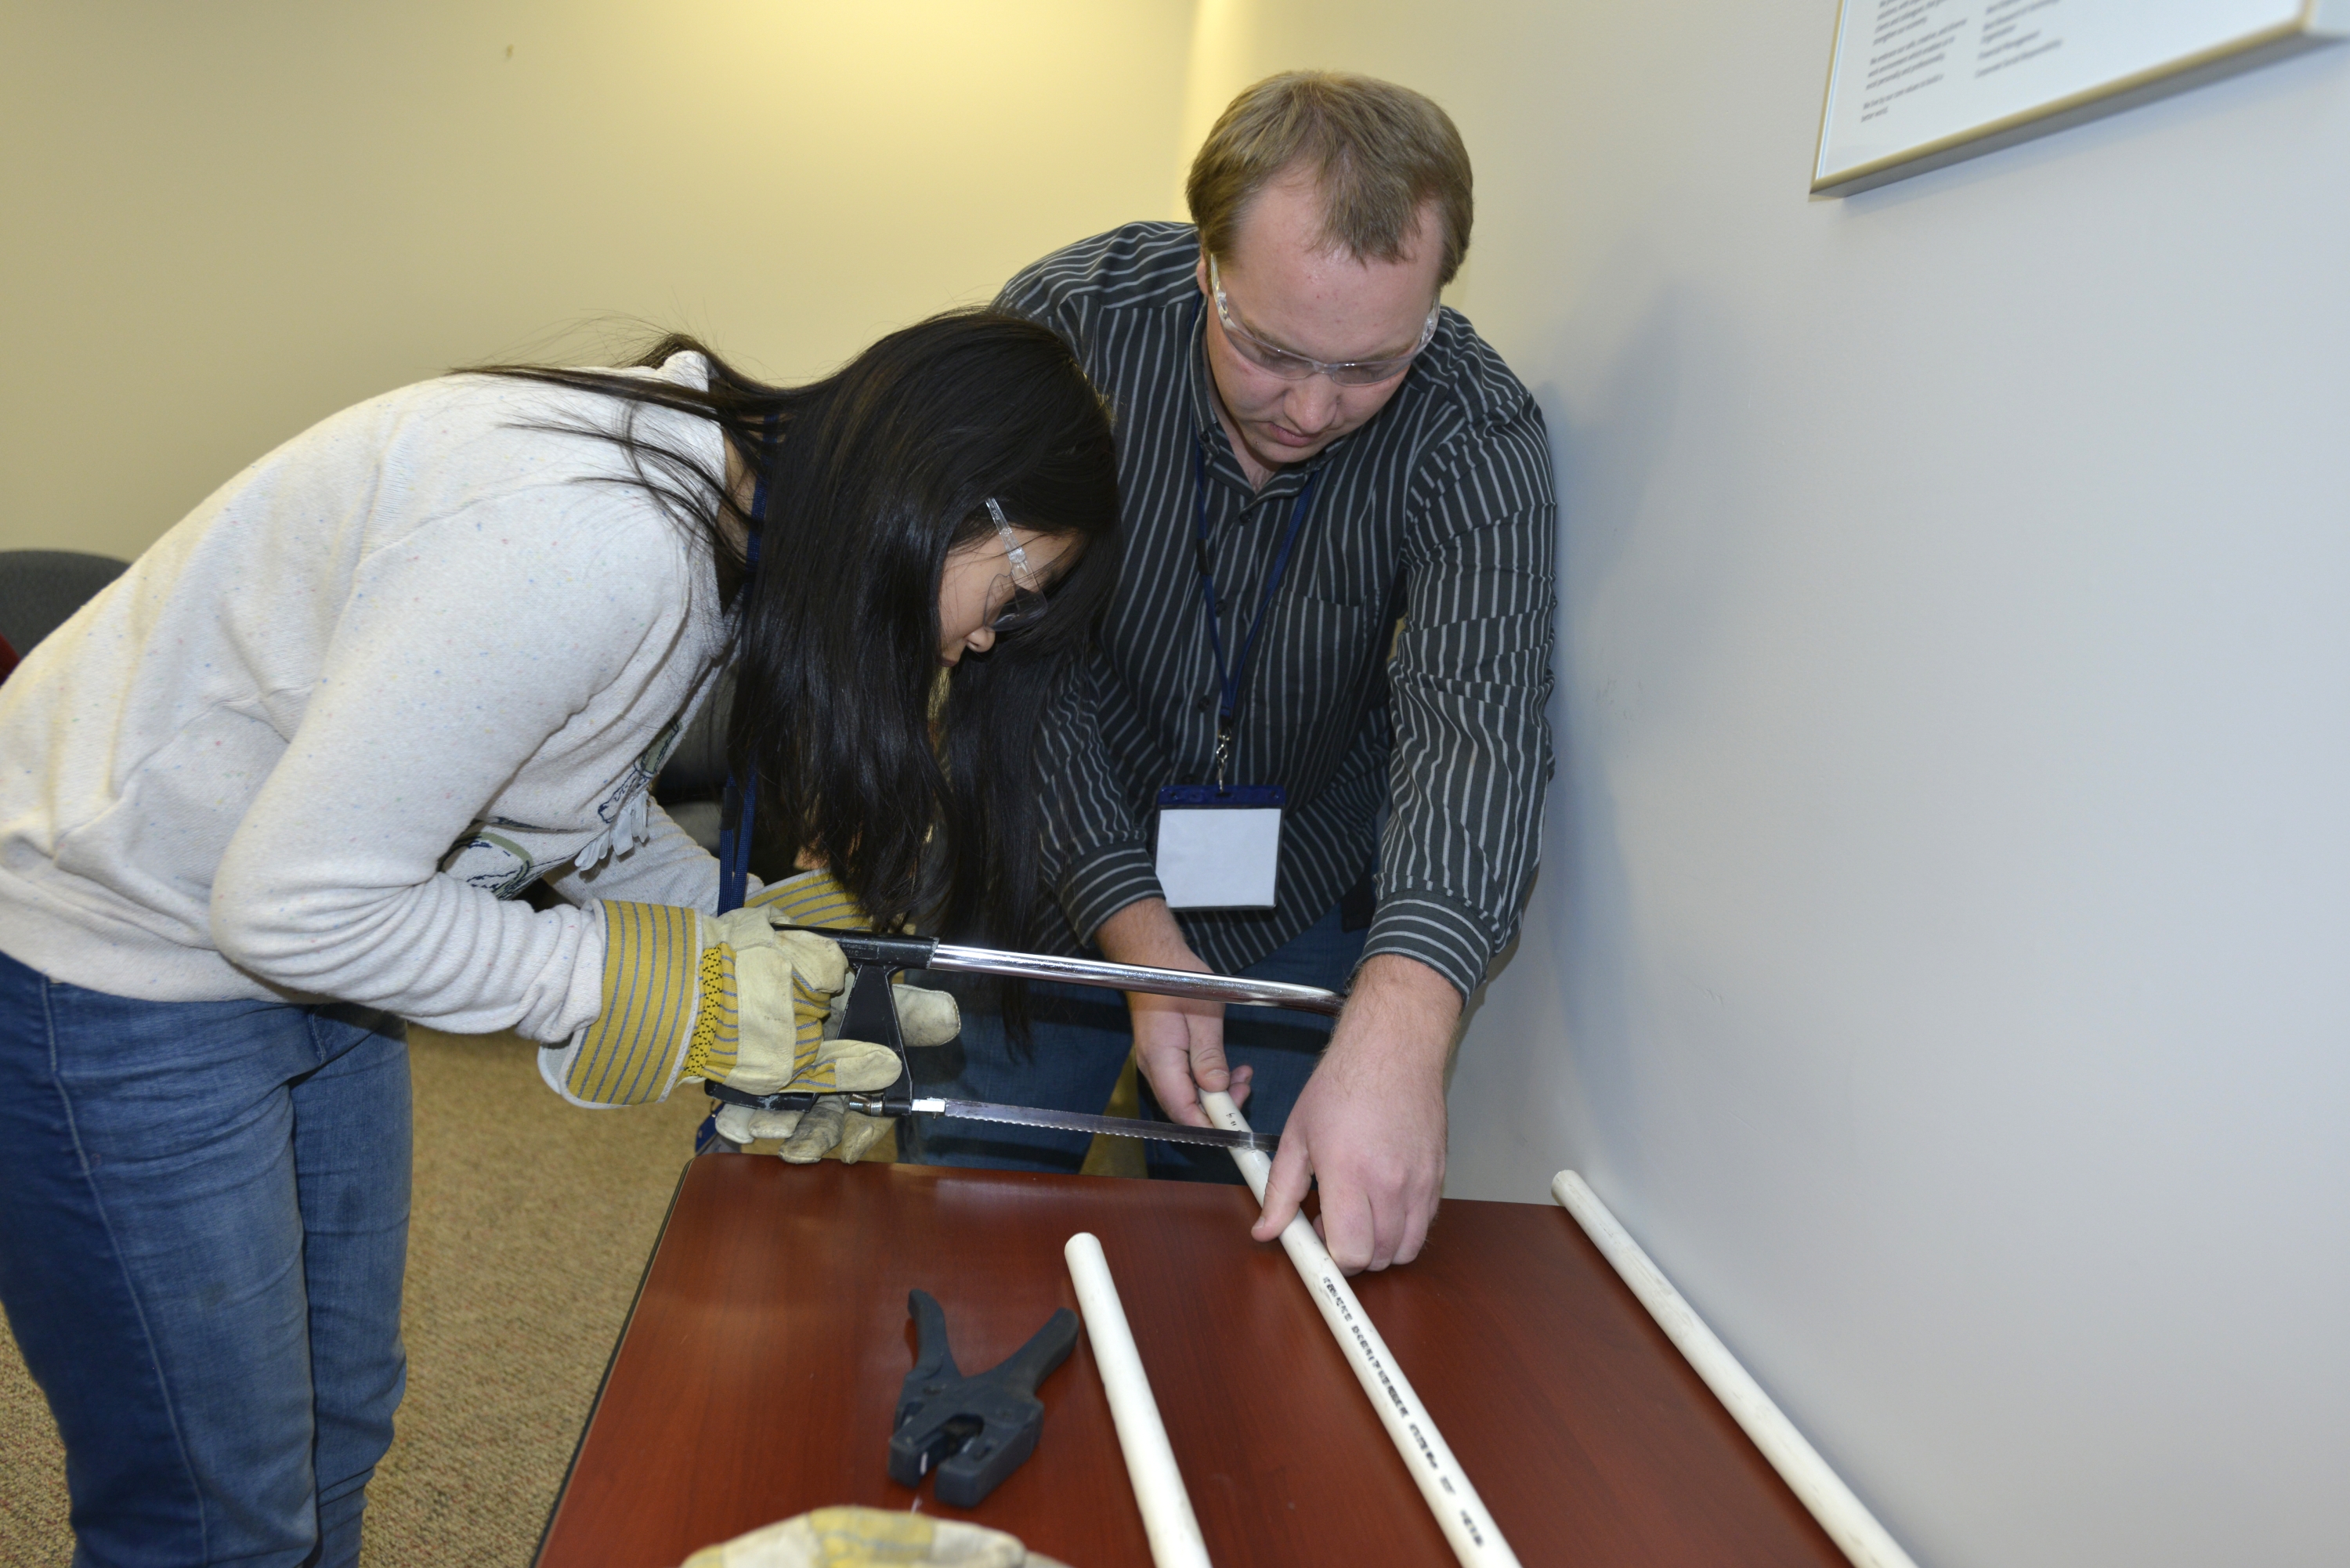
x: 1460, y: 1512
x: 1167, y: 1517
x: 1844, y: 1517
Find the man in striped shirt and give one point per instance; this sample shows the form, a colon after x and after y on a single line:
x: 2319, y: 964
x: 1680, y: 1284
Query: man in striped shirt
x: 1339, y: 578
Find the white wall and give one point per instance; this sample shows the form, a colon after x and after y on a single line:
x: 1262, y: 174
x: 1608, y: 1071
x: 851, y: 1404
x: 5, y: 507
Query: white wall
x: 1939, y: 959
x: 221, y: 223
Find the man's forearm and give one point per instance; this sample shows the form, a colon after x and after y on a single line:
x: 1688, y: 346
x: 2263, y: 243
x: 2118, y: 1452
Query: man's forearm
x: 1406, y: 1005
x: 1404, y: 1011
x: 1145, y: 933
x: 1179, y: 1041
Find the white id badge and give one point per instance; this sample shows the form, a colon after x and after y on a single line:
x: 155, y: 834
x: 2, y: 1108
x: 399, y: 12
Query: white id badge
x: 1220, y: 848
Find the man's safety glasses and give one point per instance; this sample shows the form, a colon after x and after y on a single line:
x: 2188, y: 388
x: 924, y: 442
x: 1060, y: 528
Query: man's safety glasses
x: 1291, y: 367
x: 1028, y: 601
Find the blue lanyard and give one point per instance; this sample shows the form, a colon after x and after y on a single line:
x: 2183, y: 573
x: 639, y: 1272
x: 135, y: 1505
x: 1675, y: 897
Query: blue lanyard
x: 735, y: 808
x: 1230, y: 679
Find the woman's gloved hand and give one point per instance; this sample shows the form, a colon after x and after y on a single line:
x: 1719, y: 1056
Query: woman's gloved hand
x: 730, y: 998
x: 870, y: 1538
x: 765, y: 995
x: 807, y: 1136
x: 689, y: 995
x: 925, y: 1017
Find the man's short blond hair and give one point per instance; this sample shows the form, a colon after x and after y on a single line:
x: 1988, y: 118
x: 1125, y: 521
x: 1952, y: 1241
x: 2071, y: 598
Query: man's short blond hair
x: 1379, y: 152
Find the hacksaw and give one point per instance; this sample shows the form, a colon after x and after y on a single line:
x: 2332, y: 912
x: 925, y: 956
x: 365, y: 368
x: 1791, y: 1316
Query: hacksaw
x: 872, y: 1015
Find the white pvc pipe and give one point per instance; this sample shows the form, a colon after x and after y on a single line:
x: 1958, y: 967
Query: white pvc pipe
x: 1167, y: 1517
x: 1460, y: 1511
x: 1844, y: 1516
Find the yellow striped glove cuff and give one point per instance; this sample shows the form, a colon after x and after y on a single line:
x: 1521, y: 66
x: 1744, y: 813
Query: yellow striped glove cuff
x: 663, y: 990
x: 811, y: 899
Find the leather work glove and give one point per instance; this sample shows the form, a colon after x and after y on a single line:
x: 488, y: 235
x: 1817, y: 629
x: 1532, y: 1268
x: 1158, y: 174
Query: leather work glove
x: 925, y: 1018
x: 726, y: 998
x: 870, y: 1538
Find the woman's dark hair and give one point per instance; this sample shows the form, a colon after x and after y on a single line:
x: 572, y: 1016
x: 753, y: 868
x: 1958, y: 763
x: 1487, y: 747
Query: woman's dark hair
x: 872, y: 476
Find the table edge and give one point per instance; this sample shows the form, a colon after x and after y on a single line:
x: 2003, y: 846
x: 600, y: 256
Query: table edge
x: 571, y: 1466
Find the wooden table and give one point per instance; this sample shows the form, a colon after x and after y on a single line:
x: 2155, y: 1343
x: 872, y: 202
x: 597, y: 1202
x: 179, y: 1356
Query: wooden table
x: 759, y: 1371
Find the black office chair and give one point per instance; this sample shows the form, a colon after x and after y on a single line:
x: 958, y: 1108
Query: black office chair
x: 40, y: 589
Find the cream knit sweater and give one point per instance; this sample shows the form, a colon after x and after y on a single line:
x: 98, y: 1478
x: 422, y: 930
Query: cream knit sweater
x: 316, y: 740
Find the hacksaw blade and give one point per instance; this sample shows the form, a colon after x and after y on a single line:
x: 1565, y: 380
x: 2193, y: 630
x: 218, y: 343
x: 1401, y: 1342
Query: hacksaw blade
x: 1077, y: 1121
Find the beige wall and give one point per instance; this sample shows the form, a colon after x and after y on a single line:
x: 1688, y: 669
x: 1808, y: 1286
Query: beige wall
x: 220, y: 222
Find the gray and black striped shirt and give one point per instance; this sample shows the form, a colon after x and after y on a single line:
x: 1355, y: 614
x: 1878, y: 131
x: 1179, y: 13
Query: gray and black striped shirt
x: 1438, y: 510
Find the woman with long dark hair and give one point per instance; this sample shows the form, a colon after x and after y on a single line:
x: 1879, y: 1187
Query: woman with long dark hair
x: 281, y: 785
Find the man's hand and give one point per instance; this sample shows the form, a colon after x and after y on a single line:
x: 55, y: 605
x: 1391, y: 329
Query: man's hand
x: 1180, y: 1043
x: 1370, y: 1122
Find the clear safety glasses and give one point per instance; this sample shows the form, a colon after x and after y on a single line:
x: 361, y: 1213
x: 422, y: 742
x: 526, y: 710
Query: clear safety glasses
x: 1291, y: 367
x: 1028, y: 602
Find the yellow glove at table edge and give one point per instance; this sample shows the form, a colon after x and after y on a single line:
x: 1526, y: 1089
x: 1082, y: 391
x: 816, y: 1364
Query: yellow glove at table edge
x: 854, y: 1536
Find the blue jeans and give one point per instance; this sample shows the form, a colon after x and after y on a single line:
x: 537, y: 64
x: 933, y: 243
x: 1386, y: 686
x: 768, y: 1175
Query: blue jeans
x: 1081, y: 1037
x: 204, y: 1217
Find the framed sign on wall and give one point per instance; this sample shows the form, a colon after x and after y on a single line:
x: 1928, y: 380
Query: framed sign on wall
x: 1916, y: 84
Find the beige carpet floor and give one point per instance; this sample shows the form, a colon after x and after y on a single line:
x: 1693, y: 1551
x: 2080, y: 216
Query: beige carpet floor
x: 531, y: 1226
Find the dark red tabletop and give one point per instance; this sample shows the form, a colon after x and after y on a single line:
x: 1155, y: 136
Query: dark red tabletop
x: 760, y: 1369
